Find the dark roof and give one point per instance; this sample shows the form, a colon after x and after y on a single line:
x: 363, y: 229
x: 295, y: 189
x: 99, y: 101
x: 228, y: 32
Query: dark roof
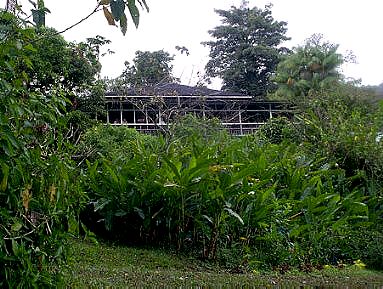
x: 176, y: 89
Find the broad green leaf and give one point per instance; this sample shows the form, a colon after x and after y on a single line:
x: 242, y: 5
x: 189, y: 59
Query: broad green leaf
x: 143, y: 4
x: 59, y: 251
x: 112, y: 174
x: 120, y: 213
x: 108, y: 16
x: 139, y: 212
x: 193, y: 162
x: 208, y: 219
x: 134, y: 13
x: 5, y: 173
x: 15, y: 247
x: 123, y: 24
x: 11, y: 139
x: 170, y: 185
x: 118, y: 8
x: 16, y: 227
x: 100, y: 204
x: 234, y: 214
x: 173, y: 167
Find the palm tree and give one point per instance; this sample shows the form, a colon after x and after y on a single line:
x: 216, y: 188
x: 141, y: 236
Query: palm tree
x: 310, y: 68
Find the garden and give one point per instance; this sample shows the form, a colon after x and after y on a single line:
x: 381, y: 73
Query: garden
x: 303, y: 194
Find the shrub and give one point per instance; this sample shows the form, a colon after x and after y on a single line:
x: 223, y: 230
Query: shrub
x: 277, y: 205
x: 39, y: 190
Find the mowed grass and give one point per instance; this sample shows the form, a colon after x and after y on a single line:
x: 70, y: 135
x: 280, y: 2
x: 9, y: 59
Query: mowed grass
x: 109, y: 266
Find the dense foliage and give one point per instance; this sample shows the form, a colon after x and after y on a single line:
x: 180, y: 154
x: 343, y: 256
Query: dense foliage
x: 48, y: 94
x: 246, y: 49
x: 149, y: 68
x: 39, y: 192
x: 311, y: 67
x: 244, y: 201
x: 302, y: 192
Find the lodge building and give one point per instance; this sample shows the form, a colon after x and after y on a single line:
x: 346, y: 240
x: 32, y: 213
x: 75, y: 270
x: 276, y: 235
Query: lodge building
x: 150, y: 110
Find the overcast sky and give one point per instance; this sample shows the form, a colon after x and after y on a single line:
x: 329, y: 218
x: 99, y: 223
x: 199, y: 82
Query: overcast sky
x: 355, y: 25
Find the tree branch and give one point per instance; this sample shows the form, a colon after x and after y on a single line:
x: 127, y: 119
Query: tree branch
x: 80, y: 21
x: 68, y: 28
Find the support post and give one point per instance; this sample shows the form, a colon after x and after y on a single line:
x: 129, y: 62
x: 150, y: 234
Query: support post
x: 120, y: 113
x: 240, y: 121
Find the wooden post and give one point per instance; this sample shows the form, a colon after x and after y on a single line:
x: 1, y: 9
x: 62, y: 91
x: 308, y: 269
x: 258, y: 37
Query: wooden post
x: 240, y: 121
x: 120, y: 112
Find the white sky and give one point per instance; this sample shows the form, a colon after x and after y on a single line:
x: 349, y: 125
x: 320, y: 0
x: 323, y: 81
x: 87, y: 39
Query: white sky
x: 355, y: 25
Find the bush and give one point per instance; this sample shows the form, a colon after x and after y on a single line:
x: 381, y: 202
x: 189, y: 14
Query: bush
x: 39, y: 190
x: 276, y: 204
x: 113, y: 143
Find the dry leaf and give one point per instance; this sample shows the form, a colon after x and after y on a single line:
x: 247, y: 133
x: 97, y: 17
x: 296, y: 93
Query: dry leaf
x: 26, y: 196
x: 109, y: 16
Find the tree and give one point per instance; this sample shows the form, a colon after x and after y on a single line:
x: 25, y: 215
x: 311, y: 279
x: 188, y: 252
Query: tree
x: 247, y: 49
x: 39, y: 186
x: 58, y: 62
x: 309, y: 68
x: 148, y: 69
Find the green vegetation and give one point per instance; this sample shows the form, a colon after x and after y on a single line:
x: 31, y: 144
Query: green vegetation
x: 246, y: 49
x: 107, y: 265
x: 114, y: 12
x: 38, y: 190
x: 312, y: 67
x: 148, y: 69
x: 300, y: 195
x: 242, y: 201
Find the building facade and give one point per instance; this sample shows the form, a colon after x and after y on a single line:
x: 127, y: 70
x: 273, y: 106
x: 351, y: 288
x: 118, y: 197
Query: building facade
x: 240, y: 114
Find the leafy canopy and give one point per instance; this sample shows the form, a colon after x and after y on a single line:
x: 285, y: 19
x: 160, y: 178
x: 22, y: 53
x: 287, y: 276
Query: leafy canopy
x: 148, y: 69
x: 246, y: 50
x: 310, y: 68
x: 58, y: 62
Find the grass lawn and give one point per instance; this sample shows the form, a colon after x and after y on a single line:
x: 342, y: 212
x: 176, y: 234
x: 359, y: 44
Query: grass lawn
x: 110, y: 266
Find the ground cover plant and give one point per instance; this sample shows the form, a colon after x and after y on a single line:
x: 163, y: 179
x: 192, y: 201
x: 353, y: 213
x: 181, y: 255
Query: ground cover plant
x: 245, y: 201
x: 110, y: 265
